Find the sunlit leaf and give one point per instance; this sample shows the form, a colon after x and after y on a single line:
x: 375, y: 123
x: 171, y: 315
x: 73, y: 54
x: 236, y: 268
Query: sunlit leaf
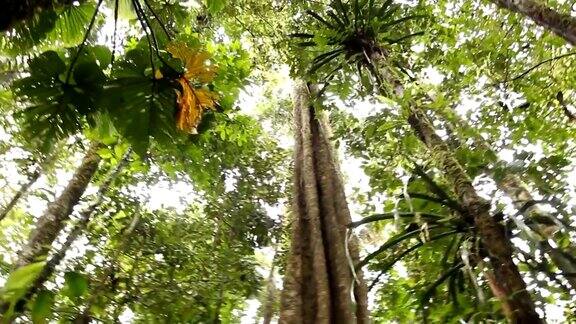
x: 191, y: 104
x: 196, y: 63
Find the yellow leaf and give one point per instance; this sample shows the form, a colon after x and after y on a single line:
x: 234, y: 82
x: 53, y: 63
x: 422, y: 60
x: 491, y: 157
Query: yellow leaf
x: 196, y: 62
x: 191, y: 104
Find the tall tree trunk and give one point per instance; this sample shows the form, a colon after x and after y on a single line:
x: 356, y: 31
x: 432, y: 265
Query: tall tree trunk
x: 523, y: 200
x: 58, y: 212
x: 79, y: 228
x: 491, y: 232
x: 23, y: 191
x: 562, y: 25
x: 521, y: 197
x: 270, y: 298
x: 319, y: 279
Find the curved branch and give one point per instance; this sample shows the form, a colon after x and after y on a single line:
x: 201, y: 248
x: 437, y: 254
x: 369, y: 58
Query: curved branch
x: 384, y: 216
x: 404, y: 253
x: 534, y: 67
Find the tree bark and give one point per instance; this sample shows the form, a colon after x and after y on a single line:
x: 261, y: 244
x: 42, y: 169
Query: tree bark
x: 78, y: 229
x: 270, y: 298
x: 319, y: 279
x: 475, y: 209
x: 517, y: 191
x: 58, y: 212
x: 562, y: 25
x: 491, y: 232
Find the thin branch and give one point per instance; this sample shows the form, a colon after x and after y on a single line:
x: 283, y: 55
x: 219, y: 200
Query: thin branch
x: 83, y: 44
x: 384, y: 216
x: 145, y: 27
x: 116, y: 8
x: 523, y: 74
x: 158, y: 19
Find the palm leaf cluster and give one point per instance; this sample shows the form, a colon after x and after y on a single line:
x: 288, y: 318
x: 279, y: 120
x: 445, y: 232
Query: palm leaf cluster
x: 355, y: 31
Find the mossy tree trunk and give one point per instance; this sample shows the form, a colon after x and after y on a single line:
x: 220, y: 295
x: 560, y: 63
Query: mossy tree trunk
x: 540, y: 221
x: 80, y: 227
x: 519, y: 307
x: 319, y: 279
x: 58, y: 212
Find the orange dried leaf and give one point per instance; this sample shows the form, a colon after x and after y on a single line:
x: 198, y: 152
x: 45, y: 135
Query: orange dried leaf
x: 196, y: 62
x: 191, y: 104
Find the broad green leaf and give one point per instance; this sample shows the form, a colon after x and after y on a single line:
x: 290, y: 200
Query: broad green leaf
x: 76, y: 283
x: 42, y: 307
x: 47, y: 65
x: 20, y: 279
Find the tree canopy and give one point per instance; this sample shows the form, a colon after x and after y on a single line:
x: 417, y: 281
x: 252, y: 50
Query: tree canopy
x: 254, y: 161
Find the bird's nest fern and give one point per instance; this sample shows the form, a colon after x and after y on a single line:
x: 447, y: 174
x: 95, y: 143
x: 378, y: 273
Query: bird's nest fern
x: 352, y: 33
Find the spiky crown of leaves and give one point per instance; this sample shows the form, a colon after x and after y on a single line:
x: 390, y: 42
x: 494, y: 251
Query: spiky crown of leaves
x: 355, y: 31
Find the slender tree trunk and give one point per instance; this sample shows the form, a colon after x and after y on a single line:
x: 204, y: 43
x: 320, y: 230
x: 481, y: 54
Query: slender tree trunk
x: 562, y: 25
x: 23, y: 191
x: 491, y: 232
x: 517, y: 191
x: 319, y: 279
x: 78, y: 229
x: 20, y: 193
x: 58, y: 212
x: 105, y: 282
x: 270, y: 297
x: 476, y: 209
x: 514, y: 188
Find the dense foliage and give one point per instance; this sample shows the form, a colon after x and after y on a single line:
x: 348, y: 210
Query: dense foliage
x: 154, y: 139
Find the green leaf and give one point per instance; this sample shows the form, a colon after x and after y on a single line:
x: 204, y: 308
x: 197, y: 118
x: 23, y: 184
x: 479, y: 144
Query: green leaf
x: 47, y: 65
x: 20, y: 279
x: 125, y: 9
x: 77, y: 283
x: 89, y: 75
x: 215, y: 6
x: 71, y: 24
x: 28, y: 33
x: 23, y: 276
x: 42, y: 307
